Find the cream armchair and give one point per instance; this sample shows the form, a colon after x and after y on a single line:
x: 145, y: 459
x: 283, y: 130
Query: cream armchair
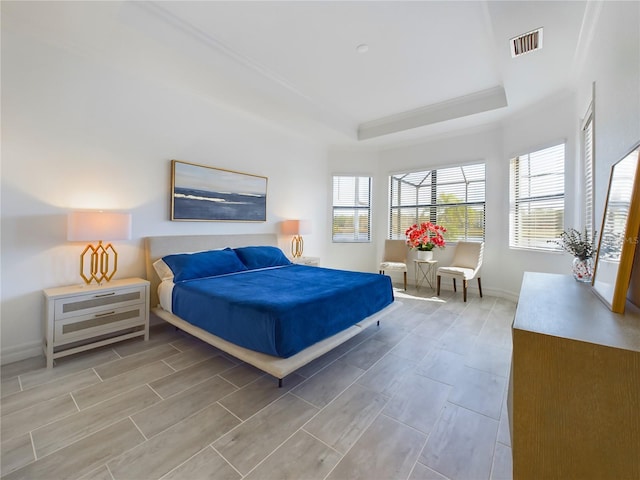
x: 467, y: 260
x: 395, y: 258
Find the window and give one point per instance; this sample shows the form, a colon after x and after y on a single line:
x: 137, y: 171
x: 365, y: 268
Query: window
x: 536, y: 196
x: 351, y: 209
x: 587, y: 156
x: 453, y: 197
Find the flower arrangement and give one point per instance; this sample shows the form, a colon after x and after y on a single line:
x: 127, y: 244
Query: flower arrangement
x: 576, y: 243
x: 425, y: 236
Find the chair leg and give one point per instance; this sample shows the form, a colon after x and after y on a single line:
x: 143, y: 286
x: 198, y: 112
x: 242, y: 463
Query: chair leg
x: 480, y: 287
x: 454, y: 285
x: 438, y: 286
x: 464, y: 289
x: 405, y: 281
x: 381, y: 272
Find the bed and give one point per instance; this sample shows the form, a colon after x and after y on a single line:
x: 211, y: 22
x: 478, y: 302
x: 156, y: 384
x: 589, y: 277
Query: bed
x: 335, y: 305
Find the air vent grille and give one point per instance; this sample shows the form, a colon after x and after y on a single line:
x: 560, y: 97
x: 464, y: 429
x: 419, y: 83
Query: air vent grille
x: 526, y: 43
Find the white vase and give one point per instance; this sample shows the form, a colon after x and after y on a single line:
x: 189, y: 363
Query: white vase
x: 425, y: 255
x: 582, y: 269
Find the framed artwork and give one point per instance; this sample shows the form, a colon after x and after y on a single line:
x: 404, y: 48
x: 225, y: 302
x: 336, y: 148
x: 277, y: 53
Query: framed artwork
x: 619, y: 232
x: 202, y: 193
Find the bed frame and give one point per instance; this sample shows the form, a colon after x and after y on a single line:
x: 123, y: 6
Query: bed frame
x: 158, y: 247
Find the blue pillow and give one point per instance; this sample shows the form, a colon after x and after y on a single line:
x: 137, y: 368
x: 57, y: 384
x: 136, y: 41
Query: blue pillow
x: 262, y: 257
x: 187, y: 266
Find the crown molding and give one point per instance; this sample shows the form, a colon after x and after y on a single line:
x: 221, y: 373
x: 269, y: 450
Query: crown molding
x: 273, y: 84
x: 213, y: 43
x: 478, y: 102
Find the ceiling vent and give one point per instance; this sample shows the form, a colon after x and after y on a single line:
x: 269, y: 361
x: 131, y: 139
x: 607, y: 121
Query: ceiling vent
x: 526, y: 43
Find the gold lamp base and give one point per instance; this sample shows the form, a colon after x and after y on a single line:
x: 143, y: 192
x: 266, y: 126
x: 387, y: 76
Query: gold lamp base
x: 99, y: 258
x: 297, y: 244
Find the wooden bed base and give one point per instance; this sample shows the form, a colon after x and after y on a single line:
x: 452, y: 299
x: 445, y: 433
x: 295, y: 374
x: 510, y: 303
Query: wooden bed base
x: 158, y: 247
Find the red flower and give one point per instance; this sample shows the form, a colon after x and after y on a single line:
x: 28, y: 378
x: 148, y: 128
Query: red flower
x: 425, y: 236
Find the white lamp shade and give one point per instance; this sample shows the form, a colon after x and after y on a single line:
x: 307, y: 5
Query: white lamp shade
x: 91, y: 226
x: 290, y: 227
x: 295, y: 227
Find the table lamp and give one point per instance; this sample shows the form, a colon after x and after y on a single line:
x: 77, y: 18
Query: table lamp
x: 98, y: 226
x: 295, y: 228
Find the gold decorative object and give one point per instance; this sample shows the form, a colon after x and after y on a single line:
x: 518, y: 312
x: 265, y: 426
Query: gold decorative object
x: 98, y: 262
x: 295, y: 228
x: 297, y: 245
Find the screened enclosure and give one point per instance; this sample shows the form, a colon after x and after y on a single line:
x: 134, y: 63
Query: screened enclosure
x: 453, y: 197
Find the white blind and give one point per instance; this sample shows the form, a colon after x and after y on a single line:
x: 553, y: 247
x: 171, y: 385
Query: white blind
x: 587, y: 138
x: 537, y: 198
x: 453, y: 197
x: 351, y: 209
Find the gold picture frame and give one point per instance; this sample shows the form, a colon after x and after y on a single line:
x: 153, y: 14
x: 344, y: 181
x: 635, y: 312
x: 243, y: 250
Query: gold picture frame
x: 619, y: 233
x: 203, y: 193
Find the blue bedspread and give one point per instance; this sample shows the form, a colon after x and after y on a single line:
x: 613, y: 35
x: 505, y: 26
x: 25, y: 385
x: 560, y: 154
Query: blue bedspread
x: 280, y: 311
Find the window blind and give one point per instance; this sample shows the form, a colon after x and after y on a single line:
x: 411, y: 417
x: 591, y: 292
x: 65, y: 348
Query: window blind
x: 537, y: 198
x: 453, y: 197
x: 351, y: 209
x: 587, y: 139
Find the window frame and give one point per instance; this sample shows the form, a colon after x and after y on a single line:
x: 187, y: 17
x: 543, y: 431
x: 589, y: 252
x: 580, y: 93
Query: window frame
x: 546, y: 244
x: 357, y: 237
x: 588, y: 169
x: 396, y: 229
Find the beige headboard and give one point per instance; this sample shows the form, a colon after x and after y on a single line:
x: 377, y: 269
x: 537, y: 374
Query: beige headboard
x: 158, y: 247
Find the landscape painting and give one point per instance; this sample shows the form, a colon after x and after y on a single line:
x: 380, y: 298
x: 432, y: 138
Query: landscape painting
x: 201, y: 193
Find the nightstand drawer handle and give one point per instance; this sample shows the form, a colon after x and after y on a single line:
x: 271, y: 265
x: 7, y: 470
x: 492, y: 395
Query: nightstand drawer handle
x: 104, y: 295
x: 104, y: 314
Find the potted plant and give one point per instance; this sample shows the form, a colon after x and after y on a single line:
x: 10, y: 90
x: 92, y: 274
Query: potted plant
x: 582, y: 248
x: 424, y: 237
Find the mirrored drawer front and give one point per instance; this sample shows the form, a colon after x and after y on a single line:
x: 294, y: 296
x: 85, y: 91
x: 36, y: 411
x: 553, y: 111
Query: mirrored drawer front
x: 95, y: 302
x: 87, y: 326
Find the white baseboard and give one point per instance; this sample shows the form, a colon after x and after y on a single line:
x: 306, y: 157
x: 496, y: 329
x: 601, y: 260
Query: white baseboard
x: 20, y: 352
x: 34, y: 349
x: 496, y: 292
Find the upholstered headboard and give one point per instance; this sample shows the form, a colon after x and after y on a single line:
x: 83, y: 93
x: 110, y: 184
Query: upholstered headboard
x: 158, y: 247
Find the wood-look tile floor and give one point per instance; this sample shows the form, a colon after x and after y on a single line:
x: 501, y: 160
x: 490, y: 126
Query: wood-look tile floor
x: 422, y: 396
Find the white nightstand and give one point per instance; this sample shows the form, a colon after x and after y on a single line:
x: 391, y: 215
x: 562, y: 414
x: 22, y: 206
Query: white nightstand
x: 82, y: 317
x: 311, y: 261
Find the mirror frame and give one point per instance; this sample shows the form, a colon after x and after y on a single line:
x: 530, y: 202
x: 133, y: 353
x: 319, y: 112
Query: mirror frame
x: 616, y: 297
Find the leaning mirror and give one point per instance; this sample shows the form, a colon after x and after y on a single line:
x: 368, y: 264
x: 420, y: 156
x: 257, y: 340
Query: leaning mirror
x: 619, y: 232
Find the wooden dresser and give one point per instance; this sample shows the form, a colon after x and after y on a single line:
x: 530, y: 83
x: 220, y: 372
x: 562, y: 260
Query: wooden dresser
x: 574, y: 391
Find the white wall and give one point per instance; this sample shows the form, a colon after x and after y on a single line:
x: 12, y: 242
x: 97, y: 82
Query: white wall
x: 354, y: 256
x: 78, y: 134
x: 613, y: 63
x: 545, y: 125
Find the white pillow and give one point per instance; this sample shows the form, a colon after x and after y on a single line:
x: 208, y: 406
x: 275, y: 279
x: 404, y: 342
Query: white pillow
x: 163, y: 270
